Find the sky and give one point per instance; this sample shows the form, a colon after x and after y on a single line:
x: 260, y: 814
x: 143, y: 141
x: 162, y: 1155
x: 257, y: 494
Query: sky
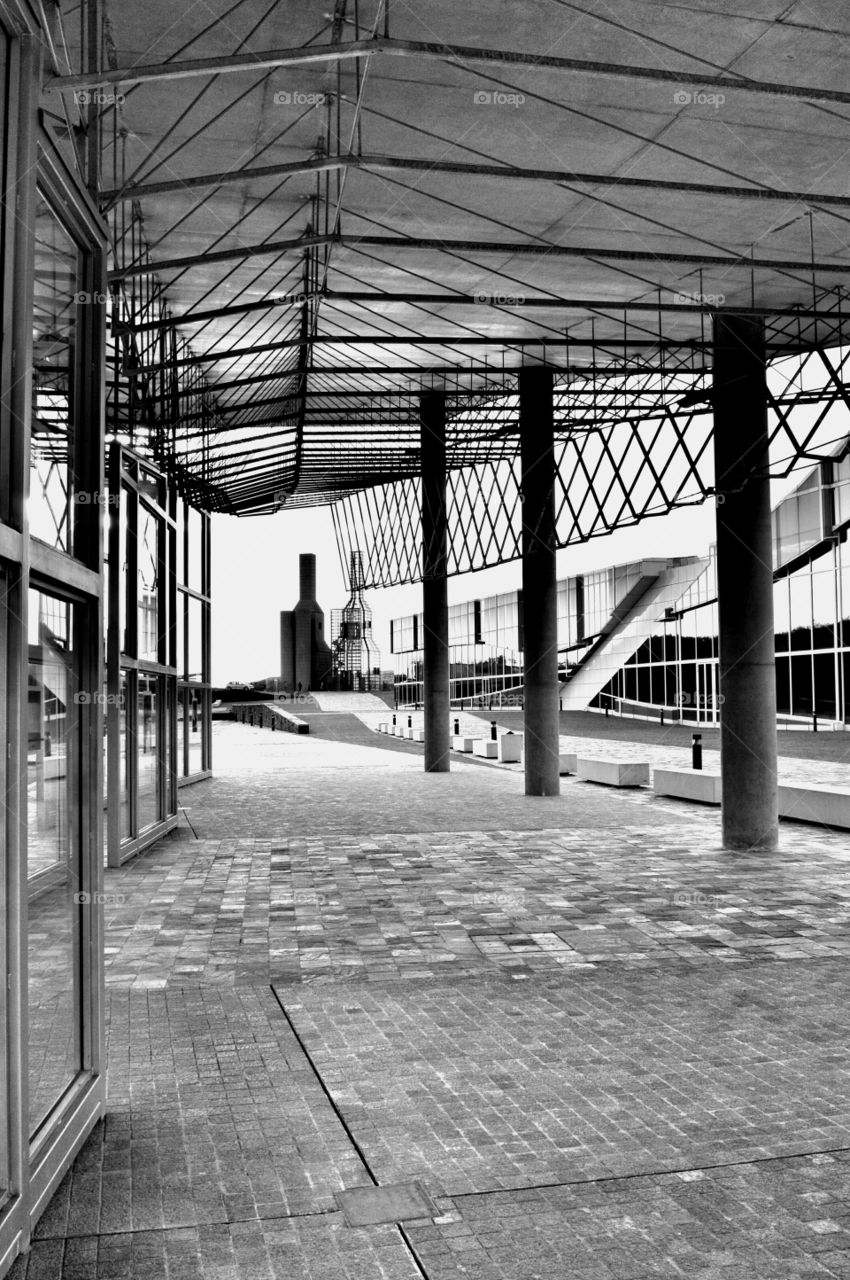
x: 255, y: 576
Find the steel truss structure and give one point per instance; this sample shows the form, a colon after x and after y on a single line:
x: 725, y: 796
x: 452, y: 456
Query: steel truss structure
x: 633, y: 442
x: 271, y: 353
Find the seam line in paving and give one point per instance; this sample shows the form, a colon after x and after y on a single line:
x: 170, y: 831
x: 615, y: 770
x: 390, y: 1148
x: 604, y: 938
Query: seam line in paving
x: 647, y: 1173
x: 188, y: 1226
x: 361, y: 1155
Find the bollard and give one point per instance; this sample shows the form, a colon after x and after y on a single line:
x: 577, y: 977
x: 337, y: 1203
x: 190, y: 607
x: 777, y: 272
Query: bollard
x: 697, y: 751
x: 410, y: 722
x: 457, y: 727
x: 493, y: 730
x: 393, y: 719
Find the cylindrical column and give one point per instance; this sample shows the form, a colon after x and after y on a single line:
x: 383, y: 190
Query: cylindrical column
x: 539, y: 582
x: 435, y: 593
x: 744, y: 586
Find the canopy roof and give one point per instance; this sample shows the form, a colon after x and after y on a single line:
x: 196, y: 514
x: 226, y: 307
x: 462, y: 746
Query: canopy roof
x: 341, y: 209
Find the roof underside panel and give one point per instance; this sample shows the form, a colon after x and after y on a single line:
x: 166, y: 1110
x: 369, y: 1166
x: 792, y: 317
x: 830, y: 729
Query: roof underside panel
x: 338, y: 211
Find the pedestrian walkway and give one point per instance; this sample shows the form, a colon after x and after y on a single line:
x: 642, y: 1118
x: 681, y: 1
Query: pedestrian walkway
x: 369, y: 1023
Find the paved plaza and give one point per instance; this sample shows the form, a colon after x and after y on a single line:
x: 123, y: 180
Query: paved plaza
x: 548, y: 1037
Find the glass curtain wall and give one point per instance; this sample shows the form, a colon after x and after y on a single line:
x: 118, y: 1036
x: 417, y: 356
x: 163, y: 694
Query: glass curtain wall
x: 194, y: 688
x: 141, y: 656
x: 53, y: 250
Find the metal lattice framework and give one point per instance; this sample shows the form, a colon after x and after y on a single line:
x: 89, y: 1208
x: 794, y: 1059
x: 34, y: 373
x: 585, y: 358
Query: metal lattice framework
x: 631, y: 444
x: 315, y: 219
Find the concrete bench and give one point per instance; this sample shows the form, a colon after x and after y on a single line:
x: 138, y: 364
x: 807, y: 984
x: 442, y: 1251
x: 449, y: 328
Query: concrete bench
x: 568, y: 763
x: 510, y: 748
x: 460, y: 743
x: 408, y: 733
x: 687, y: 784
x: 486, y: 748
x: 614, y: 773
x: 418, y: 735
x: 823, y: 805
x: 382, y: 728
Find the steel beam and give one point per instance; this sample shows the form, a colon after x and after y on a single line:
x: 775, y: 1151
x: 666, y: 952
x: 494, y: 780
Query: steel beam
x: 506, y: 173
x: 500, y: 247
x: 456, y: 54
x: 468, y: 300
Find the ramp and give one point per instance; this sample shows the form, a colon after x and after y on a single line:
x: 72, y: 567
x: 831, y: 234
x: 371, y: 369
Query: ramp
x: 348, y: 702
x: 606, y: 658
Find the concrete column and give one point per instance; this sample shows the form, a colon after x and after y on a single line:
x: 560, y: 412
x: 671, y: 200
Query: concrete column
x: 435, y: 596
x: 744, y: 586
x: 539, y: 582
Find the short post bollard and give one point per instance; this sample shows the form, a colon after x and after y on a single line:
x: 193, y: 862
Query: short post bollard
x: 493, y: 736
x: 410, y: 722
x: 697, y: 751
x: 393, y: 719
x: 457, y: 727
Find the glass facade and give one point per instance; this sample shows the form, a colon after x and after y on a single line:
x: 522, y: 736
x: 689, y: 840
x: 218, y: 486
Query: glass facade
x: 192, y: 633
x: 157, y: 639
x: 486, y: 636
x: 677, y: 667
x: 54, y: 864
x: 674, y: 669
x: 53, y: 250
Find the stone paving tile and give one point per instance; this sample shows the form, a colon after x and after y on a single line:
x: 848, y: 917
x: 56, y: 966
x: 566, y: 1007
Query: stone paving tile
x: 213, y: 1116
x: 777, y: 1219
x: 333, y: 908
x: 276, y: 785
x: 321, y: 1248
x: 497, y: 993
x: 473, y: 1086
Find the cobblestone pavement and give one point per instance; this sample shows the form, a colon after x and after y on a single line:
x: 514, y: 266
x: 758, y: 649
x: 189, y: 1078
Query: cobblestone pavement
x: 600, y: 1047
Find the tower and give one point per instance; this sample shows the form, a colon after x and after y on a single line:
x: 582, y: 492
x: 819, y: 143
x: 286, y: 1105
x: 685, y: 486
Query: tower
x: 305, y: 657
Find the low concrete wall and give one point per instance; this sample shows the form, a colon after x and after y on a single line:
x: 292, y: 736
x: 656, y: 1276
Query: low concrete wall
x: 613, y: 773
x: 687, y: 784
x: 827, y: 807
x: 264, y: 715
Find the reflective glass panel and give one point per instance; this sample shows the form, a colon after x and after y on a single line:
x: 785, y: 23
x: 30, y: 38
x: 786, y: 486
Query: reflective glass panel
x: 55, y: 304
x: 55, y: 703
x: 148, y: 600
x: 146, y: 751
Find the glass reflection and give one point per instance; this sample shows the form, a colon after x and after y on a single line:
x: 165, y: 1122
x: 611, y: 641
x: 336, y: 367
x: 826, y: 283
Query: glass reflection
x: 148, y: 591
x: 55, y: 303
x: 55, y: 704
x: 146, y: 752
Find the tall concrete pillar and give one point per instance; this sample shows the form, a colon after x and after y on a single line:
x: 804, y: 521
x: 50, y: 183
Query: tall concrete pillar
x: 744, y: 586
x: 435, y: 597
x: 539, y: 582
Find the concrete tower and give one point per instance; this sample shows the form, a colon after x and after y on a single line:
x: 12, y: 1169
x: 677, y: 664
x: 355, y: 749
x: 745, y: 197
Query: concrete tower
x: 305, y: 657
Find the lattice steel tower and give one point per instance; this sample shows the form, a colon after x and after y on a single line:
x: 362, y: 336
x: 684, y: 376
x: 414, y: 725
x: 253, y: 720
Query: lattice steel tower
x: 356, y: 657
